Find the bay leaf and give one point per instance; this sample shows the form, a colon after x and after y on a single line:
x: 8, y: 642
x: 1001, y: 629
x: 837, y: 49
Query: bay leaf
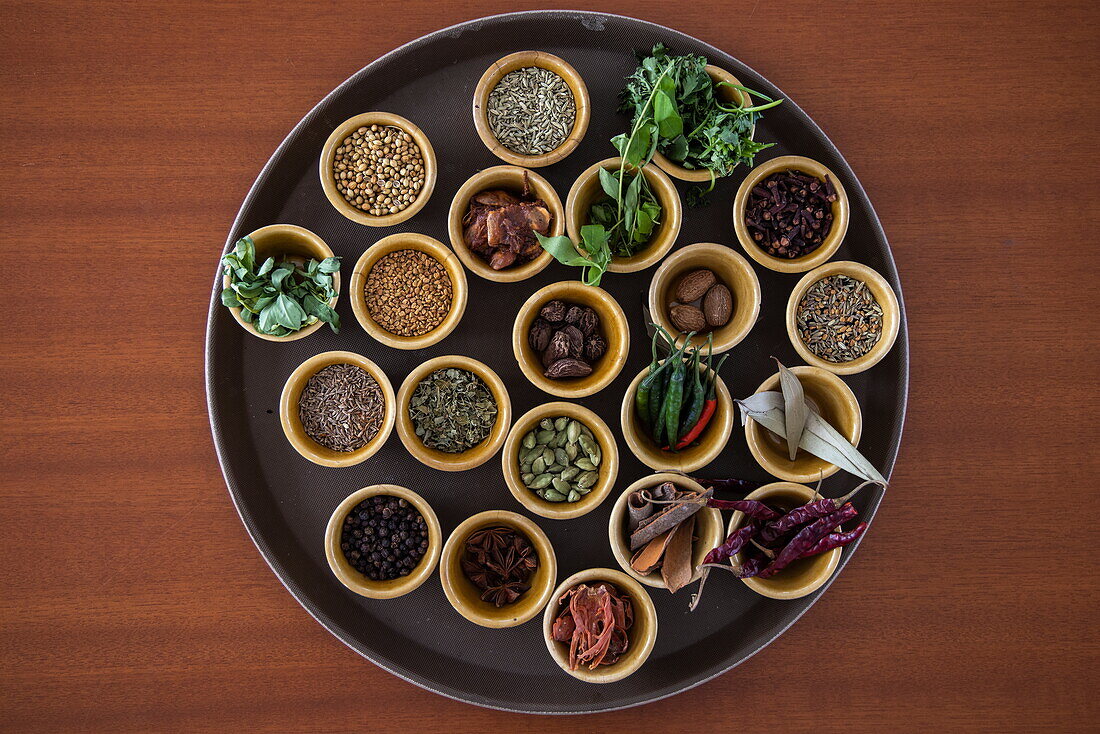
x: 794, y: 408
x: 818, y: 437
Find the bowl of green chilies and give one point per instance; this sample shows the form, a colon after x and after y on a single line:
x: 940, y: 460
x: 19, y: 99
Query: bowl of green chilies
x: 677, y: 414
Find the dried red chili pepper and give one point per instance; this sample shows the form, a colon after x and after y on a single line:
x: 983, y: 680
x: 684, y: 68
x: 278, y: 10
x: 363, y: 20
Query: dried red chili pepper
x: 732, y: 544
x: 808, y: 512
x: 734, y: 485
x: 836, y: 540
x: 806, y: 538
x: 752, y: 508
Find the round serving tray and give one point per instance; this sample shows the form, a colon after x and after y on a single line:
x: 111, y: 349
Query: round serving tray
x: 285, y: 501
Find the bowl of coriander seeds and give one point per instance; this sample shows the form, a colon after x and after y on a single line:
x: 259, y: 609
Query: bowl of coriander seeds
x: 531, y: 109
x: 378, y: 169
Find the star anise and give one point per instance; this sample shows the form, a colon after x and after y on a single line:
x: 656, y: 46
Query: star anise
x: 499, y: 561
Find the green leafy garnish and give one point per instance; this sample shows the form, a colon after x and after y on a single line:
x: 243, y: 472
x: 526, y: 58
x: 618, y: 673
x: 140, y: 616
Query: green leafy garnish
x: 695, y: 128
x: 279, y: 298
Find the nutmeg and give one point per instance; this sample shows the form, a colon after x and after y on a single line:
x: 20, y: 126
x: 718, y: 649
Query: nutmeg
x: 693, y: 285
x: 717, y: 306
x: 687, y: 318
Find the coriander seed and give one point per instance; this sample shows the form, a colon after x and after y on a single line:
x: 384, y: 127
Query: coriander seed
x: 379, y: 170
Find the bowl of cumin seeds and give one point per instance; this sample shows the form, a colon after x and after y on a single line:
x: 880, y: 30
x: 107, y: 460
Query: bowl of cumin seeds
x: 337, y: 409
x: 531, y: 108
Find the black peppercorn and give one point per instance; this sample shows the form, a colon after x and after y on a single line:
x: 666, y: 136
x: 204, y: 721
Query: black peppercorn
x: 384, y: 538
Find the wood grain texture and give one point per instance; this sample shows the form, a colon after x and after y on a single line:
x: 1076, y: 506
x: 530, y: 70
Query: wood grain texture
x: 132, y: 597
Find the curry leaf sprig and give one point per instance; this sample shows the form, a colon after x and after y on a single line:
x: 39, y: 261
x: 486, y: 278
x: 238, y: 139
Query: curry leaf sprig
x: 629, y: 216
x: 279, y: 298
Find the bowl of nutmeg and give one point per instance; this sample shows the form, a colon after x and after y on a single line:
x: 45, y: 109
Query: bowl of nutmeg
x: 708, y: 289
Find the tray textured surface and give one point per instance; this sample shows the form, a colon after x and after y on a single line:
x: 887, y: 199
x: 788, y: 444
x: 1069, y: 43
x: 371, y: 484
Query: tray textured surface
x: 285, y: 501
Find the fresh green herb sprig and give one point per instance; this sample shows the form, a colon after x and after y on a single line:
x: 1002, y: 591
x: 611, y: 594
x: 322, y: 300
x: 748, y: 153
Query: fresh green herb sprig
x: 696, y: 129
x: 279, y: 299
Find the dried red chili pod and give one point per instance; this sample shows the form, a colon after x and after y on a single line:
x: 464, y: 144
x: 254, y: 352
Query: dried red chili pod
x: 732, y: 544
x: 836, y: 540
x: 808, y: 512
x: 752, y: 508
x: 806, y: 538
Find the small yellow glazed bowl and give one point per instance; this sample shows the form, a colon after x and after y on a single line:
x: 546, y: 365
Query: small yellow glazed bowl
x: 609, y: 461
x: 726, y: 95
x: 613, y: 325
x: 292, y: 424
x: 336, y: 139
x: 710, y: 445
x: 587, y: 190
x: 833, y: 400
x: 466, y: 598
x: 708, y: 528
x: 804, y: 576
x: 468, y: 459
x: 731, y: 269
x: 510, y: 179
x: 642, y: 634
x: 880, y: 289
x: 836, y: 233
x: 408, y: 241
x: 522, y: 60
x: 356, y: 581
x: 276, y: 240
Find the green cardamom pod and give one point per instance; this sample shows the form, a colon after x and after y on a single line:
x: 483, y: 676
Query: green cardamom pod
x: 560, y: 457
x: 570, y: 472
x: 585, y: 463
x: 529, y: 440
x: 587, y: 445
x: 561, y: 486
x: 583, y: 490
x: 587, y: 479
x: 571, y: 451
x: 548, y: 455
x: 573, y: 496
x: 527, y: 478
x: 552, y: 495
x: 538, y: 466
x: 542, y: 481
x: 559, y: 440
x: 586, y: 431
x: 546, y: 424
x: 573, y: 432
x: 561, y: 423
x: 555, y: 468
x: 543, y: 437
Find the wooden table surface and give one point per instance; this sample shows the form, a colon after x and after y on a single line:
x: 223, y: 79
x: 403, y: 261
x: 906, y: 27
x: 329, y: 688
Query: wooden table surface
x: 131, y: 598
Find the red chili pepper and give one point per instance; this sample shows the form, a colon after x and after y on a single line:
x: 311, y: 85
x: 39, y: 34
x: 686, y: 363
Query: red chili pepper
x: 708, y: 412
x: 808, y: 512
x: 733, y: 543
x: 806, y: 539
x: 752, y: 508
x: 836, y: 540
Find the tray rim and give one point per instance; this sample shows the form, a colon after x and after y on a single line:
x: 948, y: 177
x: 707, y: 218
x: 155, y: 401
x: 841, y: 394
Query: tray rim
x: 474, y: 24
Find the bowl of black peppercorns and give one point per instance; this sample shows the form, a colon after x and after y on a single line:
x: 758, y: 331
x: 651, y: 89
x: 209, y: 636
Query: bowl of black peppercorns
x: 383, y: 541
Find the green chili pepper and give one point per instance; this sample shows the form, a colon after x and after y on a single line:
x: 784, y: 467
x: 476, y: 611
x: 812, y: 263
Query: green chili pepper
x: 674, y: 397
x: 645, y: 387
x: 660, y: 392
x: 695, y: 402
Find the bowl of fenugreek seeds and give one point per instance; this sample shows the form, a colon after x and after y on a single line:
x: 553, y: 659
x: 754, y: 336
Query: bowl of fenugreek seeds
x: 378, y: 169
x: 531, y: 109
x: 453, y: 413
x: 337, y: 409
x: 408, y: 291
x: 843, y: 317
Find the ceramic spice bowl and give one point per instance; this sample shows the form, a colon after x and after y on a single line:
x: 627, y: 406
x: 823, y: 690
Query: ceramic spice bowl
x: 836, y: 234
x: 587, y: 190
x: 510, y: 179
x: 521, y: 60
x: 279, y: 240
x: 803, y: 576
x: 292, y: 423
x: 395, y: 243
x: 880, y: 289
x: 613, y: 326
x: 608, y: 467
x: 726, y: 95
x: 466, y: 598
x: 642, y: 634
x: 356, y: 581
x: 708, y: 528
x: 471, y: 457
x: 731, y: 269
x: 713, y: 440
x: 336, y: 140
x: 833, y: 400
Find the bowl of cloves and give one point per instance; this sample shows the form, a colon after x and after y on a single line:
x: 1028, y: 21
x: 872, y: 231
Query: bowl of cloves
x: 494, y: 218
x: 707, y: 289
x: 498, y: 569
x: 790, y: 214
x: 570, y: 339
x: 660, y: 530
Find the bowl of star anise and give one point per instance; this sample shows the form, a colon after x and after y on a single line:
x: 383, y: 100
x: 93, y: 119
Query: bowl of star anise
x: 498, y: 569
x: 571, y: 339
